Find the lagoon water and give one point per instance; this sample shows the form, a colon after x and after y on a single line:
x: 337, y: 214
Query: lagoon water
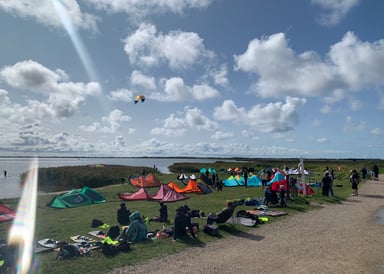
x: 10, y: 185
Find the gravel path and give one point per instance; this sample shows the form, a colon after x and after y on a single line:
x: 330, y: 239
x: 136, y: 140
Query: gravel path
x: 341, y: 238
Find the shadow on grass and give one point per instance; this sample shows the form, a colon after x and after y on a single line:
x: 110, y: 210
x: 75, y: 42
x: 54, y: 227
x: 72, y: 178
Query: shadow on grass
x: 373, y: 196
x: 238, y: 233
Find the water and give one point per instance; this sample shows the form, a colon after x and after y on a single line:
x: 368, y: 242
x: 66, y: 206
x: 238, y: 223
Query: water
x: 10, y: 187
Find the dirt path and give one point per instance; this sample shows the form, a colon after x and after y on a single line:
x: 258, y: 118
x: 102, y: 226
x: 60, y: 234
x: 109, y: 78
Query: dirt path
x: 343, y: 238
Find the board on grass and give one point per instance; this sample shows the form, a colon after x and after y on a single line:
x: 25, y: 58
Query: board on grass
x: 242, y: 221
x: 98, y: 234
x: 48, y: 243
x: 81, y: 238
x: 271, y: 213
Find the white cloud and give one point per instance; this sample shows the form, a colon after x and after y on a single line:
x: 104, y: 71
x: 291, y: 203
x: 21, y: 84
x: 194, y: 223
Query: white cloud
x: 190, y: 119
x: 335, y: 96
x: 221, y: 135
x: 321, y: 140
x: 376, y: 131
x: 141, y: 80
x: 220, y: 76
x: 177, y: 49
x: 334, y: 10
x: 175, y: 90
x: 326, y: 109
x: 352, y: 64
x: 108, y: 124
x: 121, y: 95
x: 64, y: 98
x: 358, y: 63
x: 273, y: 117
x: 281, y: 71
x: 46, y: 12
x: 351, y: 125
x: 140, y: 9
x: 33, y: 137
x: 355, y: 104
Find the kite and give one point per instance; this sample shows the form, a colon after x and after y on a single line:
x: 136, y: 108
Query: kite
x: 139, y: 98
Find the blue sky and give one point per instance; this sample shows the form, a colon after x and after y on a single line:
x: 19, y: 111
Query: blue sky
x: 247, y: 78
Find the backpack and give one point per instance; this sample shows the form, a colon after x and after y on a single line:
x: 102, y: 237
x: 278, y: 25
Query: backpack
x: 111, y: 250
x: 96, y: 223
x: 68, y: 251
x: 245, y: 214
x: 211, y: 229
x: 114, y: 232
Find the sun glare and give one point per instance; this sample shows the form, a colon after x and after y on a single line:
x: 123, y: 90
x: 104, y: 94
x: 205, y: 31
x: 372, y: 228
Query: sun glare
x: 21, y: 234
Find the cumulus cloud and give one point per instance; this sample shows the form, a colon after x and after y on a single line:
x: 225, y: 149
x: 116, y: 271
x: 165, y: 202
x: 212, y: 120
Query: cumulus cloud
x: 49, y: 12
x: 273, y: 117
x: 144, y: 81
x: 351, y: 64
x: 221, y: 135
x: 121, y: 95
x: 33, y: 137
x: 64, y: 97
x: 220, y: 76
x: 176, y: 90
x: 190, y: 119
x: 108, y: 124
x: 177, y: 49
x: 334, y: 10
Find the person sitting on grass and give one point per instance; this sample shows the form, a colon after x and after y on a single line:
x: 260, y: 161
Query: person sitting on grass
x: 163, y: 214
x: 137, y: 230
x: 123, y: 215
x: 181, y: 223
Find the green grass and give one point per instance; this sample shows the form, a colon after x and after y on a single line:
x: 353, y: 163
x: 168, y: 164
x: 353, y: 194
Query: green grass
x: 60, y: 224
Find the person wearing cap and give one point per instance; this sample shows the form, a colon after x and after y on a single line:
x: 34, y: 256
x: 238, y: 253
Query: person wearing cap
x: 123, y: 215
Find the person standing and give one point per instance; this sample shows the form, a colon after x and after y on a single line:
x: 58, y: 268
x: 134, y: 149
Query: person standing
x: 375, y: 171
x: 355, y: 180
x: 326, y: 181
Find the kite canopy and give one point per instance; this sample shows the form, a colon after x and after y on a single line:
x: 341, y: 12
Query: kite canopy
x: 139, y: 98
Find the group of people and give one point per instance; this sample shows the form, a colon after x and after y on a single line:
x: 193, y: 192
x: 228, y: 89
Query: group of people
x: 134, y: 224
x: 270, y: 196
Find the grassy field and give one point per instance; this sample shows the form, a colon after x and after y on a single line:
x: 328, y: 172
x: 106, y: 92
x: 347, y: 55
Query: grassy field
x: 60, y: 224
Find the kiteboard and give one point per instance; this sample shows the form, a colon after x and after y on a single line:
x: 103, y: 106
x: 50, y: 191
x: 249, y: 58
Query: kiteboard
x: 271, y: 213
x: 98, y: 234
x: 49, y: 243
x: 81, y: 238
x: 242, y: 221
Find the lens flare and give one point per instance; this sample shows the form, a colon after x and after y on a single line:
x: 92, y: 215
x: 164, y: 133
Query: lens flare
x: 22, y: 231
x: 76, y: 40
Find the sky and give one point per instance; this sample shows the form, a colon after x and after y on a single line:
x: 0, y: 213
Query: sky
x: 221, y: 78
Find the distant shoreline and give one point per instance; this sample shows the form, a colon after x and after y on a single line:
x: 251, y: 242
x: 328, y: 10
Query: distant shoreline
x: 196, y: 157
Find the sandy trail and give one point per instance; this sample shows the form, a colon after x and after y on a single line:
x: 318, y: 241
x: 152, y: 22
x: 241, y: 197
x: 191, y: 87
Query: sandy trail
x: 342, y: 238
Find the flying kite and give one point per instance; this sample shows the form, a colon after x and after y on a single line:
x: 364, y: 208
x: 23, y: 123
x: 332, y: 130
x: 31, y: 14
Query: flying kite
x: 139, y: 98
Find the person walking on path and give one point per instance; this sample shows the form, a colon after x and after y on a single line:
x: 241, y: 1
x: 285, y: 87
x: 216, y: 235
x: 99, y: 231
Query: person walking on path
x: 355, y: 180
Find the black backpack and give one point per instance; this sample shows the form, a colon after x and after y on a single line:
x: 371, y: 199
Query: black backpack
x: 114, y: 232
x: 68, y: 251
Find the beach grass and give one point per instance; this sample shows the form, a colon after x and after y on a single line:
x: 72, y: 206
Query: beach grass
x: 61, y: 224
